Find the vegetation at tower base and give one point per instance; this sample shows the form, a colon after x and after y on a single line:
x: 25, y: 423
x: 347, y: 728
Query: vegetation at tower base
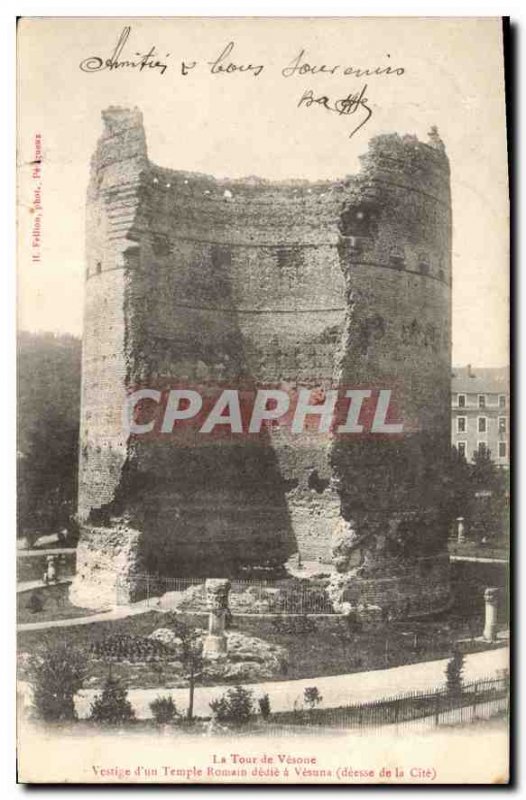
x: 479, y: 492
x: 244, y: 283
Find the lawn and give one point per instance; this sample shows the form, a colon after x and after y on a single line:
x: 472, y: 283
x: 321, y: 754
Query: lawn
x: 331, y: 647
x: 31, y: 566
x: 52, y: 602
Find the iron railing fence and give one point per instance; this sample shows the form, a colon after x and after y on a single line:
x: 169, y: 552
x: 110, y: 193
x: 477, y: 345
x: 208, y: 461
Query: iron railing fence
x: 246, y: 595
x: 480, y: 699
x: 270, y: 595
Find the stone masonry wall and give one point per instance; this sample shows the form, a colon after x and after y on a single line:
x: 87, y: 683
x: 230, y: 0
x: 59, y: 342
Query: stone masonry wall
x: 247, y: 283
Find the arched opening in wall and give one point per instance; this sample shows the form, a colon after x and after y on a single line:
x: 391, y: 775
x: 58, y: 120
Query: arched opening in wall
x: 98, y: 268
x: 315, y: 482
x: 357, y: 221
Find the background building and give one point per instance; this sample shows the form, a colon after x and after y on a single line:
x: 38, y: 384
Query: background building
x: 480, y: 411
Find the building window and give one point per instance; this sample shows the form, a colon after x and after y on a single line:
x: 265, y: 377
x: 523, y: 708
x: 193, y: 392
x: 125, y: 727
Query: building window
x: 461, y: 447
x: 461, y: 424
x: 99, y: 268
x: 482, y: 447
x: 462, y: 401
x: 502, y: 450
x: 482, y: 401
x: 502, y: 424
x: 502, y: 401
x: 482, y: 425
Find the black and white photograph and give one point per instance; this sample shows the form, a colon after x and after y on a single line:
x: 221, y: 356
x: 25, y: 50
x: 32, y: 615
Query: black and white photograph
x: 263, y: 401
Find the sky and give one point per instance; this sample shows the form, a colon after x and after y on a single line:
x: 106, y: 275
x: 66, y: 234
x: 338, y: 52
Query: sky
x: 243, y: 124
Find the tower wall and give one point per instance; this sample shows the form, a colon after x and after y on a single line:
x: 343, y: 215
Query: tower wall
x: 250, y: 283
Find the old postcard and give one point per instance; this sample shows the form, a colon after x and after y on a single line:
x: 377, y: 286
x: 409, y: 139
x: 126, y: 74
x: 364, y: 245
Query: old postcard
x: 263, y: 401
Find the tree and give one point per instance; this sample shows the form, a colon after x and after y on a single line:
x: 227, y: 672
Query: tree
x: 478, y: 492
x: 489, y: 497
x: 312, y: 696
x: 48, y: 419
x: 112, y: 705
x: 56, y: 676
x: 454, y: 668
x: 484, y: 473
x: 191, y: 655
x: 264, y: 706
x: 457, y: 484
x: 234, y: 707
x: 163, y: 709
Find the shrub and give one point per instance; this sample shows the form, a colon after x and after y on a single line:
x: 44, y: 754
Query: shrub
x: 112, y: 705
x: 312, y: 696
x: 454, y: 668
x: 163, y: 709
x: 235, y: 706
x: 35, y: 602
x: 127, y: 647
x: 264, y: 706
x: 191, y: 655
x: 56, y: 676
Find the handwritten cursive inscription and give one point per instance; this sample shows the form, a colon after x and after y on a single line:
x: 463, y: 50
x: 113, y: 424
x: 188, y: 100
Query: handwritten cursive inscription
x: 299, y: 66
x: 354, y: 103
x: 147, y: 60
x: 223, y: 65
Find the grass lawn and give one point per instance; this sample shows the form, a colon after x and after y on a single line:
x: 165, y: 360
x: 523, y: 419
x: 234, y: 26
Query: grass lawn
x: 330, y: 649
x: 54, y: 602
x: 32, y: 567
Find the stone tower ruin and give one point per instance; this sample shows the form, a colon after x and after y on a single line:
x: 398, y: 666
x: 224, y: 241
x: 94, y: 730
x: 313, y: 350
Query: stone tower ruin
x: 249, y: 282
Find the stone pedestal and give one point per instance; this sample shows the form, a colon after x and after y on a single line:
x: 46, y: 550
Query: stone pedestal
x: 490, y: 619
x: 217, y: 590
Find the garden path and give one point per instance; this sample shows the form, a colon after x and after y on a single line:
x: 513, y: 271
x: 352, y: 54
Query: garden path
x: 336, y: 690
x: 26, y: 586
x: 120, y: 612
